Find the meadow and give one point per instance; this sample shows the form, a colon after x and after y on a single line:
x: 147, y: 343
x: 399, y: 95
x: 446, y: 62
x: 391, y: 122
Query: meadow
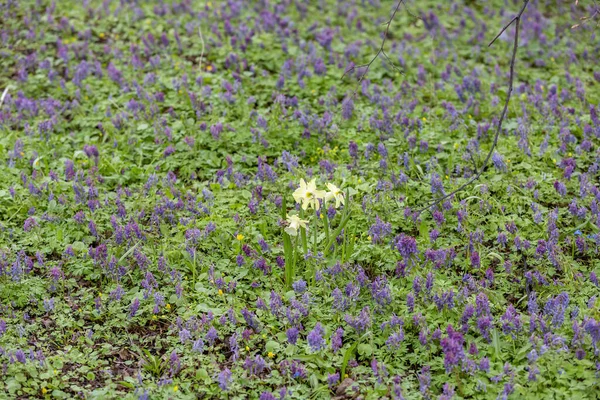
x: 216, y: 199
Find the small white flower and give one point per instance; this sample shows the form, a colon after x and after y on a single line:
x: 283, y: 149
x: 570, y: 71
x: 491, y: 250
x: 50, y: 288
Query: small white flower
x: 335, y: 193
x: 295, y: 223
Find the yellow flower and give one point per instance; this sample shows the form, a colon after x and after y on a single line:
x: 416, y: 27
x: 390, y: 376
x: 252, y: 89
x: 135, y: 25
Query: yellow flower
x: 220, y: 292
x: 240, y: 237
x: 271, y: 354
x: 44, y: 390
x: 295, y: 223
x: 334, y: 193
x: 154, y: 317
x: 101, y: 35
x: 308, y: 195
x: 247, y: 348
x: 168, y: 306
x: 175, y: 388
x: 209, y: 68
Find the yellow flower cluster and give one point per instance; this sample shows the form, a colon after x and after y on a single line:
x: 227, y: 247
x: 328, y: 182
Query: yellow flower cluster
x: 308, y: 195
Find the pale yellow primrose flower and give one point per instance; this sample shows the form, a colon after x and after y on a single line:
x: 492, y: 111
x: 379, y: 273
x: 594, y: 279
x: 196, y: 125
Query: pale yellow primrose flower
x: 295, y: 223
x: 335, y: 193
x: 308, y: 195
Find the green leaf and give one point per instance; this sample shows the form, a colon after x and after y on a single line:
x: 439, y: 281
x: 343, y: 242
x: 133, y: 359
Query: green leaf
x: 365, y: 349
x: 346, y: 359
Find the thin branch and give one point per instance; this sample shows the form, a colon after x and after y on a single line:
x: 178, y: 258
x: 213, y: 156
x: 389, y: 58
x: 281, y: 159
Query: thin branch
x: 473, y: 161
x: 584, y: 20
x: 381, y: 48
x: 516, y: 20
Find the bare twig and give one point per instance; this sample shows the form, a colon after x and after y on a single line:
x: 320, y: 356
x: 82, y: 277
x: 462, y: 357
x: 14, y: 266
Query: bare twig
x: 584, y: 20
x: 381, y: 50
x: 516, y: 20
x: 473, y: 161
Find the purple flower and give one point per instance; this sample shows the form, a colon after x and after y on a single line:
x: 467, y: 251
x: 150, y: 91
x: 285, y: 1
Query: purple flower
x: 239, y: 260
x: 484, y: 324
x: 29, y: 224
x: 424, y: 379
x: 502, y: 239
x: 91, y: 151
x: 251, y: 320
x: 211, y: 335
x: 594, y: 278
x: 438, y: 217
x: 475, y: 261
x: 353, y: 149
x: 267, y: 396
x: 484, y: 364
x: 498, y: 162
x: 406, y: 245
x: 336, y: 339
x: 380, y: 291
x: 134, y: 307
x: 193, y: 235
x: 20, y: 356
x: 292, y: 335
x: 332, y: 379
x: 169, y: 151
x: 511, y: 322
x: 394, y: 340
x: 556, y: 307
x: 592, y: 327
x: 347, y: 108
x: 483, y: 304
x: 262, y: 265
x: 560, y: 188
x: 379, y: 230
x: 299, y: 286
x: 361, y: 322
x: 315, y: 338
x: 437, y: 187
x: 453, y: 348
x: 433, y: 235
x: 224, y: 379
x: 410, y: 302
x: 174, y: 363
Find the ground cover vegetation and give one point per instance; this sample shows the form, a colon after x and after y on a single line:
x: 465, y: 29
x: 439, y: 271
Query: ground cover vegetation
x: 196, y: 202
